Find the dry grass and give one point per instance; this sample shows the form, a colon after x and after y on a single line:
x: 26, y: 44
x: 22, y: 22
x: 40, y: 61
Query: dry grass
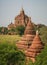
x: 9, y: 38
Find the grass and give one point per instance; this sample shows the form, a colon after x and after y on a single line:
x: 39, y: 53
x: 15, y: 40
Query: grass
x: 9, y: 38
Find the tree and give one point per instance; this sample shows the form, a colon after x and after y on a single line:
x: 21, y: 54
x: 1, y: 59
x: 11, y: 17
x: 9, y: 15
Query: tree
x: 20, y: 30
x: 3, y: 30
x: 10, y: 55
x: 43, y: 34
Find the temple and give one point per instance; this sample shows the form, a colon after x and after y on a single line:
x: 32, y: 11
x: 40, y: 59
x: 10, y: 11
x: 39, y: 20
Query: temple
x: 35, y: 48
x: 21, y: 19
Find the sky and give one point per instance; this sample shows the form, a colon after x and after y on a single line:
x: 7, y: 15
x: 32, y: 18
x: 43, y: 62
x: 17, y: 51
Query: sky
x: 36, y: 9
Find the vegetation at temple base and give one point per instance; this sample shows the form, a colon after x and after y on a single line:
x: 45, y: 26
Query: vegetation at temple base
x: 43, y: 33
x: 3, y: 30
x: 12, y: 39
x: 19, y: 30
x: 10, y: 55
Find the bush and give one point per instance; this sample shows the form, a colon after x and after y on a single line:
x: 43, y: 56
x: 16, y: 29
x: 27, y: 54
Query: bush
x: 10, y: 55
x: 20, y: 30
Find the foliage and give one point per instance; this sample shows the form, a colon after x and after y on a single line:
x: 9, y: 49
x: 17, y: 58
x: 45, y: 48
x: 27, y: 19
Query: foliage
x: 20, y: 30
x: 30, y: 62
x: 0, y: 29
x: 43, y: 34
x: 12, y: 39
x: 10, y: 55
x: 3, y: 30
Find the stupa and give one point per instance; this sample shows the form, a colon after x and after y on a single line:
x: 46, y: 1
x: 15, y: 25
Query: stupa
x: 35, y: 48
x: 28, y: 36
x: 30, y: 28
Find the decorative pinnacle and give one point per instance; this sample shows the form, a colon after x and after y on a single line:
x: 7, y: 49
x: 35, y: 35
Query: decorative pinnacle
x: 22, y: 8
x: 37, y: 32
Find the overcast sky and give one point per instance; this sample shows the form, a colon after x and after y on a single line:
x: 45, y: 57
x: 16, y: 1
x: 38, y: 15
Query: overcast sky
x: 36, y: 9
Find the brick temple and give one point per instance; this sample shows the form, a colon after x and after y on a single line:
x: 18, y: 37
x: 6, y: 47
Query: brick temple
x: 21, y: 19
x: 35, y: 48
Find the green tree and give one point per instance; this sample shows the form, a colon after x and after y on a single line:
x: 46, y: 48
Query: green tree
x: 10, y: 55
x: 20, y: 30
x: 3, y: 30
x: 43, y: 34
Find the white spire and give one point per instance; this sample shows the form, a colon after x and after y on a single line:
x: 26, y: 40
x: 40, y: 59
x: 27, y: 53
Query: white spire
x: 37, y: 32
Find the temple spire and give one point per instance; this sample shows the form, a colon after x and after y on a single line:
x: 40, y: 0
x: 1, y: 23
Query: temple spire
x: 22, y: 11
x: 37, y: 32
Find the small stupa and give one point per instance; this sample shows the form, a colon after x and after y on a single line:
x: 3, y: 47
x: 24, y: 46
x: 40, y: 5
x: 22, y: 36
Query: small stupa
x: 28, y: 36
x: 35, y: 48
x: 30, y: 28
